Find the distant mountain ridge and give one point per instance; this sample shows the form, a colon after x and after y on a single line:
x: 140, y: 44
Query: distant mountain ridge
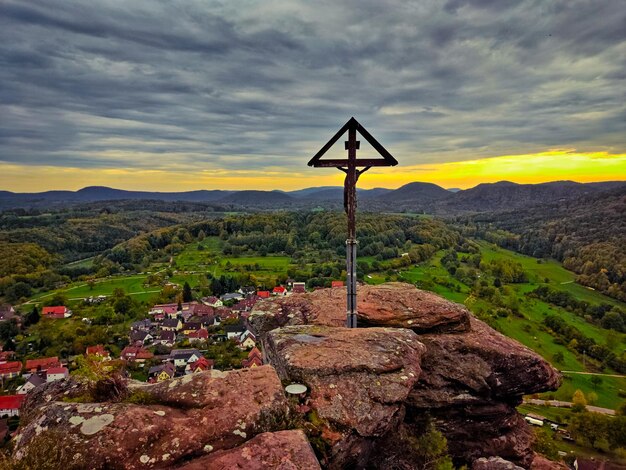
x: 423, y: 192
x: 416, y: 196
x: 505, y: 195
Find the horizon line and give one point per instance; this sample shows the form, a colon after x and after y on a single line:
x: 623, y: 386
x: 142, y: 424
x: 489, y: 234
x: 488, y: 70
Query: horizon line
x: 311, y: 187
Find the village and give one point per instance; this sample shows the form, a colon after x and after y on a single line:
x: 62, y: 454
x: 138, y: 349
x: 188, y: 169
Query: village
x: 172, y: 341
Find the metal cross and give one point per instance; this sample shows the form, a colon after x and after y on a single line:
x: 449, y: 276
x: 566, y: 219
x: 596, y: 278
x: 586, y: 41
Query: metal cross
x: 349, y: 167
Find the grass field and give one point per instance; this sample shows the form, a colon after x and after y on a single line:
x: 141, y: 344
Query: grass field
x: 80, y: 290
x: 210, y: 259
x: 81, y: 263
x: 192, y: 258
x: 560, y: 278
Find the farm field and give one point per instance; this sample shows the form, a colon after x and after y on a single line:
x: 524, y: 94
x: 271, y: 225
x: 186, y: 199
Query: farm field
x: 132, y: 284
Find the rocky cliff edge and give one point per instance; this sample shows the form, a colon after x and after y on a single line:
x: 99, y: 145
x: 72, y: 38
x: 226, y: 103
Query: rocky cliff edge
x: 416, y: 361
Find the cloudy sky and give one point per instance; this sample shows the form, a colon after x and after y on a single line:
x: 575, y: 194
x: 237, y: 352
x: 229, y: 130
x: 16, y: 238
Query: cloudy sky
x: 189, y: 94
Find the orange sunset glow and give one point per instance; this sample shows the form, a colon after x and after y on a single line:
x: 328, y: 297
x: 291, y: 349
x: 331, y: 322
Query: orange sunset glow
x: 530, y: 168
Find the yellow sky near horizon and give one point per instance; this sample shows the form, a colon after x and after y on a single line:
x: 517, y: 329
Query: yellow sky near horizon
x: 551, y: 165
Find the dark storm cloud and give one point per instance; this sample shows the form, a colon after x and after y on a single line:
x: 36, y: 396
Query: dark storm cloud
x: 251, y: 84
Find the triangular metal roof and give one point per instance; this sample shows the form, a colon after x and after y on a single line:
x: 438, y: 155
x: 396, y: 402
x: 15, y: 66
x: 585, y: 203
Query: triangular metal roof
x: 352, y: 123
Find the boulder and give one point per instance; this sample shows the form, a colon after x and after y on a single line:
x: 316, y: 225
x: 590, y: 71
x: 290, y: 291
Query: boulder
x: 542, y: 463
x: 179, y: 420
x: 494, y: 429
x: 477, y: 366
x: 470, y: 385
x: 494, y: 463
x: 358, y: 380
x: 394, y: 304
x: 282, y: 450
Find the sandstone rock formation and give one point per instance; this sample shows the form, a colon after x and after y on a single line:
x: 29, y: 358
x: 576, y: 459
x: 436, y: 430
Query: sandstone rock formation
x: 184, y: 418
x: 394, y: 304
x: 471, y: 378
x: 417, y: 361
x: 358, y: 378
x: 284, y: 450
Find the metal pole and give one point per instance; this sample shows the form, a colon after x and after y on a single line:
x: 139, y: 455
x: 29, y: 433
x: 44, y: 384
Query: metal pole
x: 351, y: 243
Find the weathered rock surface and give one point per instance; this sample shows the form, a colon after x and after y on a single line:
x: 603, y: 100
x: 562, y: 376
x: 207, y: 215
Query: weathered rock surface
x: 196, y: 414
x: 480, y: 364
x: 472, y: 376
x: 494, y: 463
x: 394, y: 304
x: 541, y: 463
x: 358, y: 379
x: 282, y: 450
x: 470, y: 385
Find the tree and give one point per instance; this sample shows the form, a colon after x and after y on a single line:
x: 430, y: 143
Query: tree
x: 558, y: 357
x: 122, y: 303
x: 187, y: 294
x: 32, y: 317
x: 579, y: 401
x: 57, y: 299
x: 18, y: 291
x: 613, y: 321
x: 8, y: 329
x: 9, y: 345
x: 596, y: 381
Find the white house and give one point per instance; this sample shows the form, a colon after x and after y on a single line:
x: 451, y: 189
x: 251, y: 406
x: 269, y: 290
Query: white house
x: 57, y: 373
x: 10, y: 405
x: 182, y: 357
x: 33, y: 381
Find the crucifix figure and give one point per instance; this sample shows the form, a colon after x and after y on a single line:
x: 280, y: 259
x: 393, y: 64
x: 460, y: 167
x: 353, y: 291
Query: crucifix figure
x: 349, y: 166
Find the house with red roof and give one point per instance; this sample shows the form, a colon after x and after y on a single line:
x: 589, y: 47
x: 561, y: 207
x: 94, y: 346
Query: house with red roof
x: 336, y: 284
x: 98, y: 350
x: 201, y: 310
x: 264, y: 294
x: 255, y: 359
x: 42, y: 364
x: 164, y: 309
x: 8, y: 370
x: 200, y: 335
x: 200, y: 365
x: 279, y: 290
x: 57, y: 373
x: 135, y: 354
x: 10, y: 405
x: 56, y: 312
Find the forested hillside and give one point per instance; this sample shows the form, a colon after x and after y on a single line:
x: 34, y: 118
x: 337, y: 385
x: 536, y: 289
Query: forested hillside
x: 587, y: 234
x: 36, y: 248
